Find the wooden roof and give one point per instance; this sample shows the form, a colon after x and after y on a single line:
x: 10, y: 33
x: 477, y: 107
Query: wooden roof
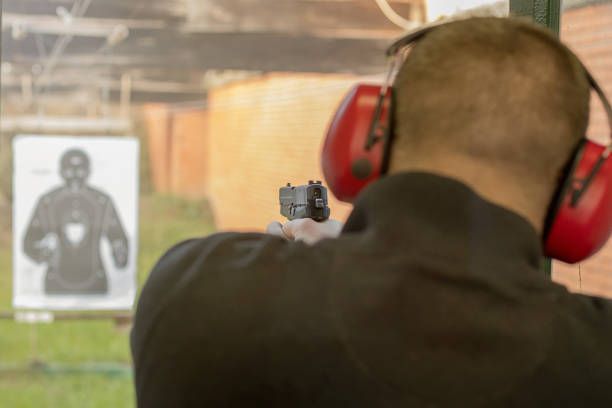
x: 172, y: 44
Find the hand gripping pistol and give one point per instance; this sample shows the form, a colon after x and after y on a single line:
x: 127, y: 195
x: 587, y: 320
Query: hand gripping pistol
x: 308, y: 201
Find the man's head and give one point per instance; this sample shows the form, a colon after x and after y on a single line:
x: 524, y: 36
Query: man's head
x: 499, y: 104
x: 74, y: 168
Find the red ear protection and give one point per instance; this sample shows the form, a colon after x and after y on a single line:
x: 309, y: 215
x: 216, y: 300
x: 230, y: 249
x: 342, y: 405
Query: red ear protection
x: 580, y: 220
x: 348, y: 163
x: 356, y: 152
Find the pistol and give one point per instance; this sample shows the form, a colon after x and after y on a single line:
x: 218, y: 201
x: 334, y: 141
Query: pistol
x: 308, y: 201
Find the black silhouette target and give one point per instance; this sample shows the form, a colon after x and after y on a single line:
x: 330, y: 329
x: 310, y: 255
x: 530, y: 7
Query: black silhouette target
x: 73, y: 244
x: 67, y: 227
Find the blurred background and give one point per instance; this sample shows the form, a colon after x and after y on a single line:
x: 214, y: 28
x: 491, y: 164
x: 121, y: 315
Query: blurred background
x: 230, y: 100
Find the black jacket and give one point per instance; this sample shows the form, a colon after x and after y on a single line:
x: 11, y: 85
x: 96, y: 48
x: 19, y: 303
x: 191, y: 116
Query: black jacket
x: 431, y: 297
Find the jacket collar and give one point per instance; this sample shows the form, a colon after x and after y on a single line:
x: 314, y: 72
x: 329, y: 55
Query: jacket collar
x: 436, y: 215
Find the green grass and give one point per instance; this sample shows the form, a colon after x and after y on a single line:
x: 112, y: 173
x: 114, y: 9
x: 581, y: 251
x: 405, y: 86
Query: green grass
x: 37, y: 390
x: 164, y: 221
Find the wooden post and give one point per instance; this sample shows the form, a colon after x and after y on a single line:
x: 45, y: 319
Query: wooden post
x: 125, y: 95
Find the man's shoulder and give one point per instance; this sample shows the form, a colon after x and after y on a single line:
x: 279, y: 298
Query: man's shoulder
x: 196, y: 253
x: 588, y: 308
x: 179, y: 270
x: 241, y: 249
x: 227, y: 256
x: 581, y: 327
x: 225, y: 273
x: 226, y: 249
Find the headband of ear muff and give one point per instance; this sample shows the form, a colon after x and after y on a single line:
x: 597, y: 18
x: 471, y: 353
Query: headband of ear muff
x: 358, y: 143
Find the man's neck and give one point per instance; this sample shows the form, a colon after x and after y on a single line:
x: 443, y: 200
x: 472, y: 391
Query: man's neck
x: 494, y: 183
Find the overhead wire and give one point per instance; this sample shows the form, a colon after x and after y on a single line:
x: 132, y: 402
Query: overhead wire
x: 78, y: 10
x: 394, y: 17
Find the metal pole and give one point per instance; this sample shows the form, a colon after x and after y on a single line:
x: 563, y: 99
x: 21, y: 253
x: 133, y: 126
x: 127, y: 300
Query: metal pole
x: 548, y: 14
x: 544, y: 12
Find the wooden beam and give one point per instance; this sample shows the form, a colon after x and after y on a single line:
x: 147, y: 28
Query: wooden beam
x: 297, y: 17
x: 329, y: 18
x: 87, y: 80
x: 175, y: 51
x: 86, y: 27
x: 76, y: 125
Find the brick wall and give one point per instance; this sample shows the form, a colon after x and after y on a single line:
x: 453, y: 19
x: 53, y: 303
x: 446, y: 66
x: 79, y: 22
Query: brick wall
x: 157, y: 120
x: 189, y: 153
x: 588, y: 31
x: 178, y: 150
x: 264, y: 133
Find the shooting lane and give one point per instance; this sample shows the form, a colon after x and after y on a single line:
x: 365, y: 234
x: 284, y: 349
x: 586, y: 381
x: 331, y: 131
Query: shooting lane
x: 230, y: 100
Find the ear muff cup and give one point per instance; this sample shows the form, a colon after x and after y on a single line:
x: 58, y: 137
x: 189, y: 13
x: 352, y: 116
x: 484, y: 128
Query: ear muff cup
x: 578, y: 226
x: 348, y: 165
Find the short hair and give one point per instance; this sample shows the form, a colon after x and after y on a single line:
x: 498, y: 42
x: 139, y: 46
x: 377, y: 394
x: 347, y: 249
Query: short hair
x: 494, y: 89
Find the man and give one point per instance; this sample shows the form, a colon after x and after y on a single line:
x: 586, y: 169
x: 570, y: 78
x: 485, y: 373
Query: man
x: 432, y: 294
